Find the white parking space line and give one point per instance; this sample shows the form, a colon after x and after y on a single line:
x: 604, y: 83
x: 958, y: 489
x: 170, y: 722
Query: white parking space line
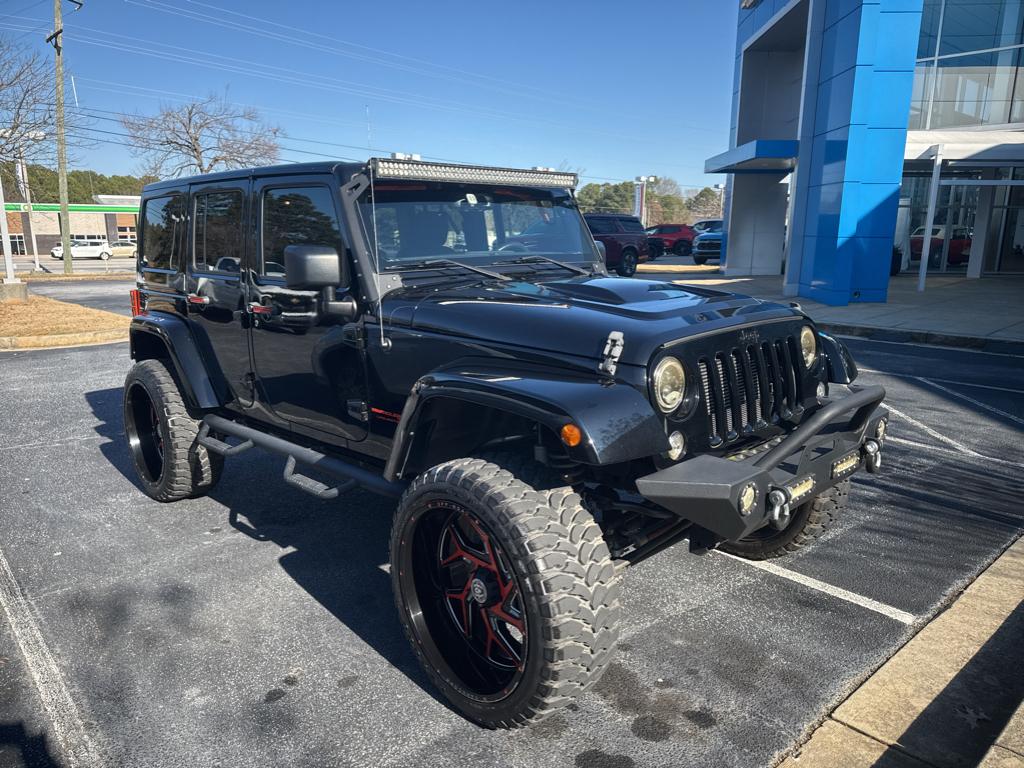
x: 843, y: 594
x: 52, y: 443
x: 937, y: 435
x: 75, y: 745
x: 890, y: 440
x: 990, y: 408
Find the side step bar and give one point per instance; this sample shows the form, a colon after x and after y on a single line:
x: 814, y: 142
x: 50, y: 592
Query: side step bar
x: 353, y: 474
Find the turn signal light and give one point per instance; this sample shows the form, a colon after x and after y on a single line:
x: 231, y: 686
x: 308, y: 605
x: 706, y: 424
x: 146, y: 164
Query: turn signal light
x: 136, y: 297
x: 571, y: 435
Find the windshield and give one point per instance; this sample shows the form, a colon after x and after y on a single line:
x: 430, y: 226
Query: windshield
x: 413, y: 222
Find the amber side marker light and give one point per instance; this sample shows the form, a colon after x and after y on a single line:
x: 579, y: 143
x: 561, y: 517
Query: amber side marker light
x: 136, y: 297
x: 571, y: 435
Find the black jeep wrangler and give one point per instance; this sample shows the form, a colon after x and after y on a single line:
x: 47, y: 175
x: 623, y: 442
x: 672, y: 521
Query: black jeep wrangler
x: 449, y: 335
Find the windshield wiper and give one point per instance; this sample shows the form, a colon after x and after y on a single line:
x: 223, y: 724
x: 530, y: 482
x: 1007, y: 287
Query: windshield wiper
x: 536, y: 257
x: 455, y: 263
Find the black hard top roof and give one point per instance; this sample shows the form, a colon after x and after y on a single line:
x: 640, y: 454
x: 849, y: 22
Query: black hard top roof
x: 346, y: 169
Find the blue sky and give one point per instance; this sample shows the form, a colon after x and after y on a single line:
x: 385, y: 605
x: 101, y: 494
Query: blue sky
x: 616, y: 89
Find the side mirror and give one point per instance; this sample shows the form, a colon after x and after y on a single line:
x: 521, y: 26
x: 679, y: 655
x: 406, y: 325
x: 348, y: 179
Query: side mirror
x: 602, y: 250
x: 311, y: 267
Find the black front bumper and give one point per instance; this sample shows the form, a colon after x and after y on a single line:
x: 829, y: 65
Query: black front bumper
x: 830, y: 445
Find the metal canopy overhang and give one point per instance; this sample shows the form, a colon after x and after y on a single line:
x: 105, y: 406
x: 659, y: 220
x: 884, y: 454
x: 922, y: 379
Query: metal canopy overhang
x: 758, y: 156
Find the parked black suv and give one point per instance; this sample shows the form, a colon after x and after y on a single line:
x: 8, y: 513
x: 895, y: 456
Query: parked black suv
x: 624, y: 239
x: 449, y: 336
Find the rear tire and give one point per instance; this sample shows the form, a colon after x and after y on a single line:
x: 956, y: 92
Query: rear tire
x: 683, y: 248
x: 542, y: 564
x: 162, y: 433
x: 809, y: 521
x: 627, y: 265
x: 104, y: 256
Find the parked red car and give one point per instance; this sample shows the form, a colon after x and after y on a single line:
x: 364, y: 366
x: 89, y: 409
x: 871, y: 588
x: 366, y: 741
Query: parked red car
x: 625, y: 242
x: 675, y: 238
x: 959, y: 245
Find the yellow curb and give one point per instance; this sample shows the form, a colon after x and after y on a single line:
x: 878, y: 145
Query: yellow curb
x: 63, y: 339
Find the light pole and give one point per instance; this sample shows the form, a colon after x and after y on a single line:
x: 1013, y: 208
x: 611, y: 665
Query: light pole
x: 62, y: 154
x: 26, y: 192
x: 640, y: 197
x: 720, y: 188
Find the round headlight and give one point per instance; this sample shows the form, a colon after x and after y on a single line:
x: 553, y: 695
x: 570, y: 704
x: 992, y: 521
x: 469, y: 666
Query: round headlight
x: 669, y: 382
x: 808, y: 345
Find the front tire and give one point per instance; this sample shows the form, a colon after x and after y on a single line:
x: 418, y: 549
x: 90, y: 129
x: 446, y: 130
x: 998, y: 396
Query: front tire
x: 507, y: 592
x: 700, y: 260
x: 627, y: 265
x: 162, y: 433
x: 104, y: 256
x: 808, y: 522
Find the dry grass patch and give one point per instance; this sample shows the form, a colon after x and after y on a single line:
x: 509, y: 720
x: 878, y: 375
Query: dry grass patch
x: 40, y: 316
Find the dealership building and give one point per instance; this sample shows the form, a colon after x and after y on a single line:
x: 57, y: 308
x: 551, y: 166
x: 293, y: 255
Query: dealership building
x: 109, y: 217
x: 859, y: 126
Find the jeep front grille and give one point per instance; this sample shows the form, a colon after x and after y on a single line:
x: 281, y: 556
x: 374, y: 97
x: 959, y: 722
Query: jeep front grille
x: 746, y: 388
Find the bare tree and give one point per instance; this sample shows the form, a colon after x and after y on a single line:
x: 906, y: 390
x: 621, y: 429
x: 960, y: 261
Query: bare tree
x: 200, y: 137
x: 27, y: 103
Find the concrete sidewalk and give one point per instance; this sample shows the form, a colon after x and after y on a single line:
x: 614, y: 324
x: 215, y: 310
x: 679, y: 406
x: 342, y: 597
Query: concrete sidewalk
x: 947, y: 699
x: 954, y: 311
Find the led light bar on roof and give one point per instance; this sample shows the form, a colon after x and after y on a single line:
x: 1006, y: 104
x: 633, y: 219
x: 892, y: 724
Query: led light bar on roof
x: 385, y: 168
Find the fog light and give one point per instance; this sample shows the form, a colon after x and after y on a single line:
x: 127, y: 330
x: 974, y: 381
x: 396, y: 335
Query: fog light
x: 846, y: 464
x: 677, y: 445
x: 748, y: 497
x: 822, y: 389
x: 880, y: 430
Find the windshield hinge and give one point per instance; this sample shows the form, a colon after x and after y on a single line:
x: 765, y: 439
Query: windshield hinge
x: 353, y: 336
x: 612, y: 352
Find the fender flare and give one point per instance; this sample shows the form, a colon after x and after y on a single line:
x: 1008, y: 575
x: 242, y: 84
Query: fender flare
x: 182, y: 352
x: 617, y: 421
x: 839, y: 363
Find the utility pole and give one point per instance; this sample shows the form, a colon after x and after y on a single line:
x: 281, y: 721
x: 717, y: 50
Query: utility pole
x: 62, y: 150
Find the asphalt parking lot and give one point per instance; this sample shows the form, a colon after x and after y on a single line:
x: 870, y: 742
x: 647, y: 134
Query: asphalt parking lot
x: 110, y: 295
x: 255, y: 626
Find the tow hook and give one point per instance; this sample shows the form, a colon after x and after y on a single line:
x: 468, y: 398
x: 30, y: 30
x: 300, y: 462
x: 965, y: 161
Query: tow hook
x: 872, y: 456
x: 778, y: 508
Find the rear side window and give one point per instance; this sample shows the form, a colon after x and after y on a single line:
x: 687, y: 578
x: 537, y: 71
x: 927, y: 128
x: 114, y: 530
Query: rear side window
x: 631, y: 225
x: 218, y: 231
x: 163, y: 232
x: 297, y: 216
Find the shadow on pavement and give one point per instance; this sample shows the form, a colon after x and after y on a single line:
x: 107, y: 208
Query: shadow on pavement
x: 337, y: 546
x: 20, y: 750
x: 966, y: 718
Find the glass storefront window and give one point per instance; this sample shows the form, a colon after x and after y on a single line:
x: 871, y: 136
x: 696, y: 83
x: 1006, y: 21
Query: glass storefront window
x: 928, y: 43
x: 976, y: 89
x: 978, y: 25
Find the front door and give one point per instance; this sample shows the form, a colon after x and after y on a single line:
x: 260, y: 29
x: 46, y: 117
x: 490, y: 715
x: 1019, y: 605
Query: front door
x: 306, y: 372
x: 216, y: 302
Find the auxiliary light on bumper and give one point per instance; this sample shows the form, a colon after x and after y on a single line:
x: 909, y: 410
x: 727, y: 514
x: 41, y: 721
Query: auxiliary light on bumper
x: 725, y: 496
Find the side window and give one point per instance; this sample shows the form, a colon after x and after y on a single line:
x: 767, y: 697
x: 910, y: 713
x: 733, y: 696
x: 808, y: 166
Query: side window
x: 218, y: 231
x: 163, y: 232
x: 600, y: 226
x: 296, y: 216
x: 631, y: 225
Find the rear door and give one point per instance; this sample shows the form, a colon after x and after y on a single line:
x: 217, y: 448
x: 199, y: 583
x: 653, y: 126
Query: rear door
x: 308, y: 375
x: 215, y: 284
x: 605, y: 230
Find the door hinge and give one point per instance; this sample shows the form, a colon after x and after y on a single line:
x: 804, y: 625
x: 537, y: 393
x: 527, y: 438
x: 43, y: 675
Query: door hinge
x: 612, y: 352
x: 357, y: 409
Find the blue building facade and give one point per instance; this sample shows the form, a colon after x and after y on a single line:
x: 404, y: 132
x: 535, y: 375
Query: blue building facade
x: 822, y: 95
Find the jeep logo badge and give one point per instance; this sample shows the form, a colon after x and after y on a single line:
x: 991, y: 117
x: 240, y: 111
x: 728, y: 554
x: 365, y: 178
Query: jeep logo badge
x: 750, y: 336
x: 479, y: 591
